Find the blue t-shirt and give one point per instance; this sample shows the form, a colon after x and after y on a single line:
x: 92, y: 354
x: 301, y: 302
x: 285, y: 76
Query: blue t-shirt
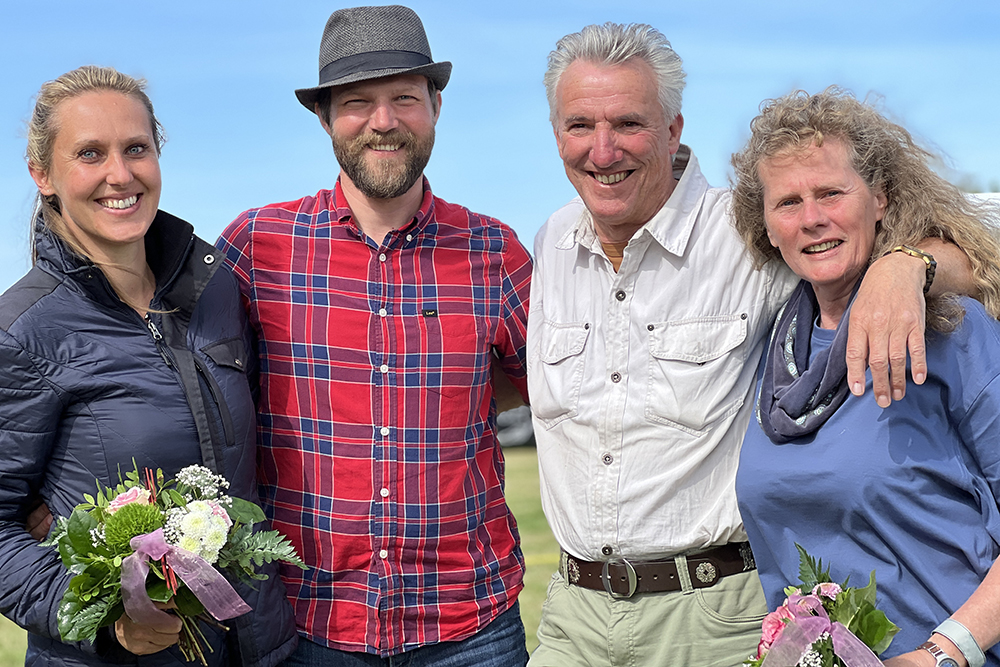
x: 910, y: 491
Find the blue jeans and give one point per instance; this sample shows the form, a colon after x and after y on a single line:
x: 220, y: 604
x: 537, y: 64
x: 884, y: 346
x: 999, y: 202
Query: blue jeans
x: 499, y: 644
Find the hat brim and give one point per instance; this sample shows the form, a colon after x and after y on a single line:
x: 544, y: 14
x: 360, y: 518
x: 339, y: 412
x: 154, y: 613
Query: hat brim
x: 438, y: 73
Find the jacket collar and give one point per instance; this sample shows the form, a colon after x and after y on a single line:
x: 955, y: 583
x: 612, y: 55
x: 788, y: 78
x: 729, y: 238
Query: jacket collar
x: 179, y: 261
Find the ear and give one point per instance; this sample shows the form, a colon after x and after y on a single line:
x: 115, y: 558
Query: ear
x: 770, y: 237
x: 881, y: 203
x: 675, y: 128
x: 437, y: 106
x: 41, y: 179
x: 322, y: 121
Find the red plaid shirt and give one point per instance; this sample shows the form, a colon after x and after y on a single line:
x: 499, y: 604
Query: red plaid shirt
x: 379, y: 457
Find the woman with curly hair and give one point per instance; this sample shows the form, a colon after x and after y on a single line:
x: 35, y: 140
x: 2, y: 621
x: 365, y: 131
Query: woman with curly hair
x: 827, y: 185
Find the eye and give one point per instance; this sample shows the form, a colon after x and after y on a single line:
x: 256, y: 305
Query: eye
x: 832, y: 193
x: 137, y: 149
x: 88, y: 154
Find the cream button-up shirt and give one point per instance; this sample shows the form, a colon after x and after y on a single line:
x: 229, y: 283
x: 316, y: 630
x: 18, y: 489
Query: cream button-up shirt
x: 641, y: 381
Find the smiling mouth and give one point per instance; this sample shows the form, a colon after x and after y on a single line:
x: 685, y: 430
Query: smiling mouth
x: 611, y: 179
x: 385, y: 147
x: 821, y: 247
x: 118, y: 204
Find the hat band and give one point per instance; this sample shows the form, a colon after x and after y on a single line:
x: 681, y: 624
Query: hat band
x: 364, y: 62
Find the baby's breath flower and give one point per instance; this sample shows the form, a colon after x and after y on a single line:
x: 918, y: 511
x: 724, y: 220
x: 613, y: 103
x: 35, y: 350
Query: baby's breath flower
x: 205, y: 484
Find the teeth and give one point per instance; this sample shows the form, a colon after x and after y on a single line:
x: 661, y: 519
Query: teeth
x: 608, y: 179
x: 386, y: 147
x: 820, y: 247
x: 119, y: 203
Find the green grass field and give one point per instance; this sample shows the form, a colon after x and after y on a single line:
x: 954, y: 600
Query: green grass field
x: 540, y: 553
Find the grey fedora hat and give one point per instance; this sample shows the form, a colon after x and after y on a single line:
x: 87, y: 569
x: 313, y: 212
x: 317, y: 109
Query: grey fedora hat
x: 362, y: 43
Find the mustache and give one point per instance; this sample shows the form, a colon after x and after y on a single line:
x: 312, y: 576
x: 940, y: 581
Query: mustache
x: 390, y: 137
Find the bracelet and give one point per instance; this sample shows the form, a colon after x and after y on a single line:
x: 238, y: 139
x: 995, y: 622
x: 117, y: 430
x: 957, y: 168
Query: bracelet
x: 963, y: 639
x: 920, y: 254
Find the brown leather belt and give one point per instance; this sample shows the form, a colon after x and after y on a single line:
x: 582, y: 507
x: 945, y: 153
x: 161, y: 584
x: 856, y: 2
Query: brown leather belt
x: 622, y: 578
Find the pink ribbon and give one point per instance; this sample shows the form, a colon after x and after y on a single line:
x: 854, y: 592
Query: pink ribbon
x: 809, y: 621
x: 210, y: 587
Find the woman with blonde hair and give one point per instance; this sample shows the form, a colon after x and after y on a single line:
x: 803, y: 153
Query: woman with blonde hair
x: 125, y: 341
x: 826, y: 184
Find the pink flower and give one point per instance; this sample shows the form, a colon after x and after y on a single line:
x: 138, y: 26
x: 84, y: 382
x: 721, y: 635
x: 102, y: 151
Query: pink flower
x: 134, y: 495
x: 773, y: 625
x: 219, y: 511
x: 827, y: 590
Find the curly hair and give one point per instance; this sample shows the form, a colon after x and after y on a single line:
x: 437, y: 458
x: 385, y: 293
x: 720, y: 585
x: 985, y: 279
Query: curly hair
x: 920, y: 204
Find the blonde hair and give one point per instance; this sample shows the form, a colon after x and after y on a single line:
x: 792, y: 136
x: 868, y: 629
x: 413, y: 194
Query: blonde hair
x: 43, y: 128
x: 920, y: 204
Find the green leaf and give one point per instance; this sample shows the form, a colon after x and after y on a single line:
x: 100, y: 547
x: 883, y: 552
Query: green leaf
x: 176, y: 498
x: 79, y: 620
x: 78, y: 530
x: 187, y: 603
x: 158, y: 591
x: 245, y: 512
x: 811, y: 571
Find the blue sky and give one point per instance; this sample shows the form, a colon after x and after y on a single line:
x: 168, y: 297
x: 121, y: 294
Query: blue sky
x: 221, y: 76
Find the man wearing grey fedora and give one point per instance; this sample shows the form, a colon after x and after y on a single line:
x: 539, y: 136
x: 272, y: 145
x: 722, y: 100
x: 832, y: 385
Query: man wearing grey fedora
x: 380, y: 312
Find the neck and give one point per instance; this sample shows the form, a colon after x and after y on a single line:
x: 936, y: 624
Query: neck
x: 126, y: 269
x: 378, y: 217
x: 831, y: 308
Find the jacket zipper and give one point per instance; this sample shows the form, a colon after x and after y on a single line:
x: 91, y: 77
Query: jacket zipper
x: 228, y: 431
x: 158, y: 340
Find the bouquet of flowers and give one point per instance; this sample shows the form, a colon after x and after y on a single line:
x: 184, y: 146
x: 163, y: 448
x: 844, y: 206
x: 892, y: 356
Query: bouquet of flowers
x: 153, y: 540
x: 824, y: 624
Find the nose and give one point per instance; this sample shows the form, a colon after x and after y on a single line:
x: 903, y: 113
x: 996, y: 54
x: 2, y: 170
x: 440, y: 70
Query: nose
x: 812, y: 213
x: 605, y: 151
x: 118, y: 170
x: 383, y: 118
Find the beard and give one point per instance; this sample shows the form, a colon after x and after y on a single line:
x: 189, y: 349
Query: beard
x: 383, y: 179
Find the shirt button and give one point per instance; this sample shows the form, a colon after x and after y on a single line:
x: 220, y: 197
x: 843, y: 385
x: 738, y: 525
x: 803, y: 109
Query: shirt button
x: 616, y: 377
x: 209, y: 259
x: 608, y: 459
x: 384, y: 368
x: 381, y: 257
x: 384, y: 430
x: 650, y: 327
x: 620, y: 295
x: 607, y: 550
x: 409, y: 237
x: 384, y: 493
x: 382, y: 312
x: 383, y: 554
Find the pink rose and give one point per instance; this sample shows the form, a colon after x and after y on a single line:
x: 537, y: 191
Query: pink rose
x: 827, y: 590
x: 219, y: 511
x: 134, y: 495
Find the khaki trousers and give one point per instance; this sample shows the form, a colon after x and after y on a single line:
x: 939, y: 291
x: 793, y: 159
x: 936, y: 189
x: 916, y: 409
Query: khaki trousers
x: 708, y: 627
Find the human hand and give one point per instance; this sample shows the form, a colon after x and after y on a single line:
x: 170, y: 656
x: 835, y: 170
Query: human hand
x: 39, y: 522
x: 147, y: 639
x: 506, y: 394
x: 887, y: 319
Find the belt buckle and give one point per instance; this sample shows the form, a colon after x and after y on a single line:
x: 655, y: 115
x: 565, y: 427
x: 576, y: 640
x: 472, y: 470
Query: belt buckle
x: 633, y: 580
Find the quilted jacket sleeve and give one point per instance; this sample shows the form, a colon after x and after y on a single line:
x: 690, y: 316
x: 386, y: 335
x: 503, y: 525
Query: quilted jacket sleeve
x: 32, y: 578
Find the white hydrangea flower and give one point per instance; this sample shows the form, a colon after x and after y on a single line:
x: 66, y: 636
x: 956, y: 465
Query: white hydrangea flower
x: 201, y: 528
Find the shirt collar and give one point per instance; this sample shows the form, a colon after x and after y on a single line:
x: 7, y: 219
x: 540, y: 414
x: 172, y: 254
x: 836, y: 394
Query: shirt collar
x: 342, y: 214
x: 672, y: 225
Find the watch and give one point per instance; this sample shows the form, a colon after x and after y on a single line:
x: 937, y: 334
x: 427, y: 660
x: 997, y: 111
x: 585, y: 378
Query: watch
x: 927, y: 258
x: 942, y: 659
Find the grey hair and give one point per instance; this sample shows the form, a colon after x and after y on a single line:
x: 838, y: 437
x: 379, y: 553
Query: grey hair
x: 613, y: 44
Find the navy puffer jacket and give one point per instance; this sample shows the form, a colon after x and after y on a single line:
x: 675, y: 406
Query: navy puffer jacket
x: 85, y: 388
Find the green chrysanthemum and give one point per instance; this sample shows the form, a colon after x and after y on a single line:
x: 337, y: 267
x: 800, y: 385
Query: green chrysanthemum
x: 129, y: 521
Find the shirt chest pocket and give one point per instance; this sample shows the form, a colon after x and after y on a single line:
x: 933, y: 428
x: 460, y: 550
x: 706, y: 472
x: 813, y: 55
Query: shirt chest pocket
x: 556, y: 395
x: 694, y: 371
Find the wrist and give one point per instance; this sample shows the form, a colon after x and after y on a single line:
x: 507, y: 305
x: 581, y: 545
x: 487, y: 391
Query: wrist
x: 949, y: 647
x: 927, y: 264
x: 961, y: 638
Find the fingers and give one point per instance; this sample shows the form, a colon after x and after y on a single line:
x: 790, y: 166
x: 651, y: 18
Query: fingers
x: 857, y: 358
x: 145, y: 639
x: 39, y: 522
